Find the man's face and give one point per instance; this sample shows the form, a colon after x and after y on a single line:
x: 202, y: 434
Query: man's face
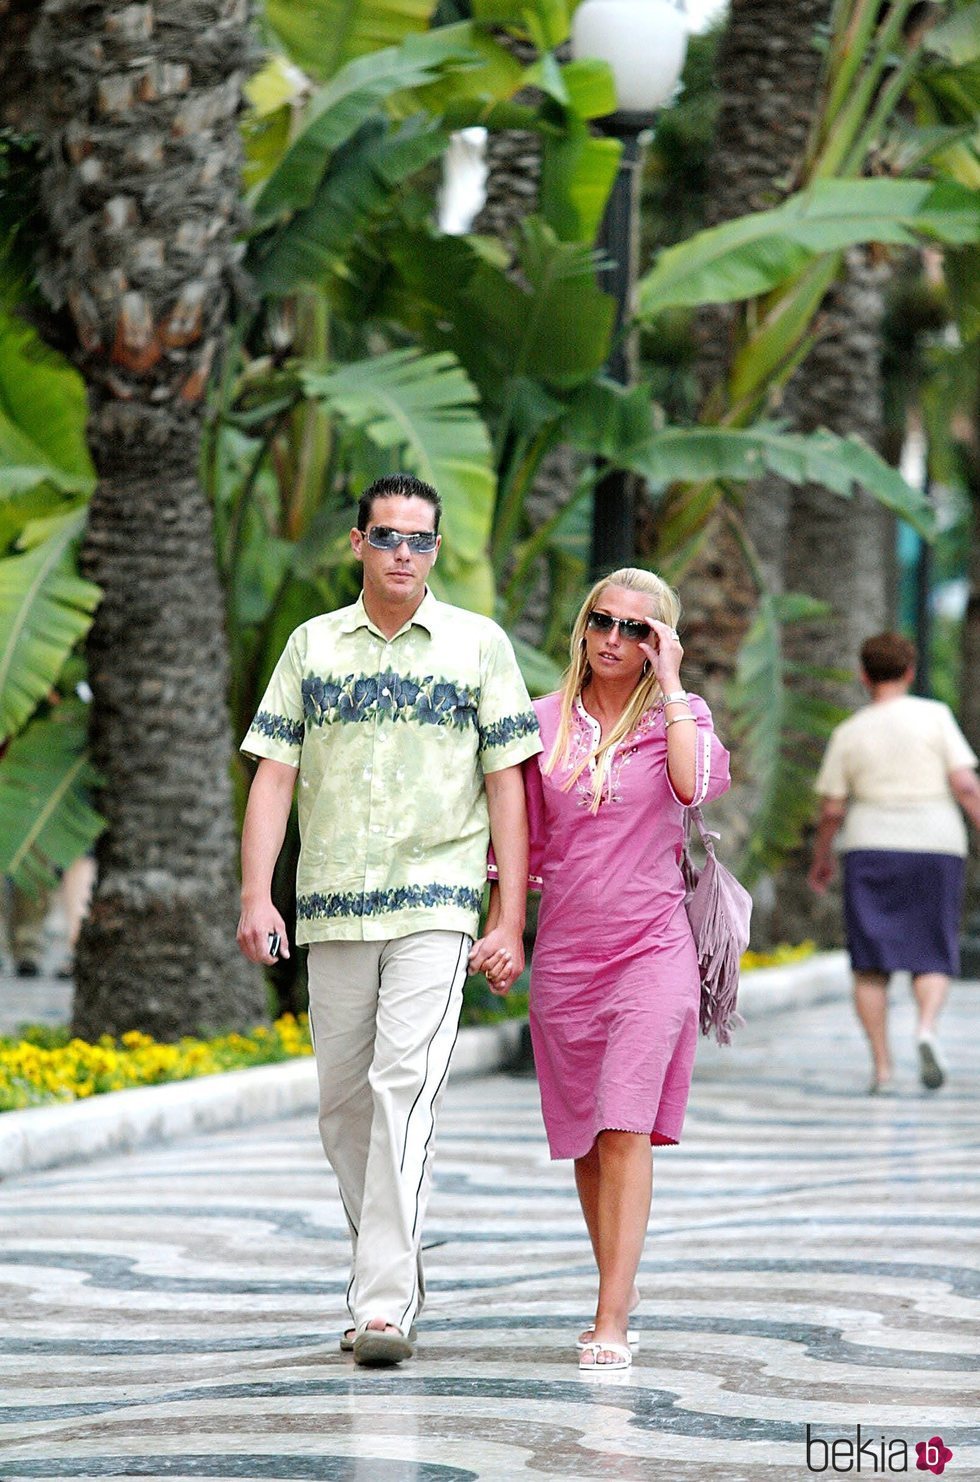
x: 396, y: 577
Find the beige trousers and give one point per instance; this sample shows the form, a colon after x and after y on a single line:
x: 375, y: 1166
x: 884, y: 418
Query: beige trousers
x: 384, y: 1018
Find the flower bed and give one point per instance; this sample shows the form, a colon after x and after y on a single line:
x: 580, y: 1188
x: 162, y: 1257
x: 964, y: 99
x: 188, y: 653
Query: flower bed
x: 46, y: 1065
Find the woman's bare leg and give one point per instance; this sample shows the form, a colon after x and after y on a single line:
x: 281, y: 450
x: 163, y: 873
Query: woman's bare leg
x: 930, y: 994
x: 587, y: 1184
x: 625, y: 1186
x: 871, y: 1006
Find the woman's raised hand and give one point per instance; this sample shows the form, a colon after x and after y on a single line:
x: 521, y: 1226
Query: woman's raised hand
x: 665, y: 656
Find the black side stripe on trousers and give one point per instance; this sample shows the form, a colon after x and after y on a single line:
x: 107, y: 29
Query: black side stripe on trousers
x: 456, y: 978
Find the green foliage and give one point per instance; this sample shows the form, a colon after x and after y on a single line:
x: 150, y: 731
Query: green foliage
x: 321, y: 35
x: 45, y: 778
x: 46, y: 474
x: 45, y: 609
x: 781, y: 726
x: 42, y: 417
x: 754, y: 254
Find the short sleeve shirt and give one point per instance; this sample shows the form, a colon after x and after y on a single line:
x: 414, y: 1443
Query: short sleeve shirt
x: 891, y: 763
x: 392, y: 738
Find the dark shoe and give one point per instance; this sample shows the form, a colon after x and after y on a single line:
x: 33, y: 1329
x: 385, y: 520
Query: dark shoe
x: 28, y: 969
x: 380, y: 1350
x: 932, y: 1069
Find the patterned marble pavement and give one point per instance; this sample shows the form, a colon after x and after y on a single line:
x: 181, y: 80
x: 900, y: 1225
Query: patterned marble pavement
x: 812, y: 1261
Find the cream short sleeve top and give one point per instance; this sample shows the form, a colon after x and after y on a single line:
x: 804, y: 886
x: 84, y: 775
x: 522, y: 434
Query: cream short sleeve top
x: 891, y: 763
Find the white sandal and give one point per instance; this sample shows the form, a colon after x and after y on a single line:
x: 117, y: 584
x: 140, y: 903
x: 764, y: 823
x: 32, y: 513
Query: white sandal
x: 632, y: 1338
x: 623, y: 1359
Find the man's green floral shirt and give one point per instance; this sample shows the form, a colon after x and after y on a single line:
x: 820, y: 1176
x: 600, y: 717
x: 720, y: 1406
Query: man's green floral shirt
x: 392, y: 738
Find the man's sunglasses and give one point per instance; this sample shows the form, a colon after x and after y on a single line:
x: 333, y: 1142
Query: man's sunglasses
x: 420, y: 542
x: 635, y: 629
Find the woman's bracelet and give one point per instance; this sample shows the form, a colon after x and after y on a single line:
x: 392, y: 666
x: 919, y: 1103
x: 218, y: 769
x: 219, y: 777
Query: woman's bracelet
x: 676, y: 719
x: 676, y: 697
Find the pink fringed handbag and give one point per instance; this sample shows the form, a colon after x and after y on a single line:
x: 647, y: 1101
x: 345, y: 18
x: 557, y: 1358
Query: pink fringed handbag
x: 719, y: 909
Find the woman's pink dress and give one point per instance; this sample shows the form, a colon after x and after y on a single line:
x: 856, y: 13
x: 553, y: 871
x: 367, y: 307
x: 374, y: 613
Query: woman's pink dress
x: 614, y: 977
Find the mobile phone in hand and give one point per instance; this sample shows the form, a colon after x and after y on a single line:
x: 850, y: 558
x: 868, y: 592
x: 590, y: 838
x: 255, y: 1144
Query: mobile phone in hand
x: 274, y: 943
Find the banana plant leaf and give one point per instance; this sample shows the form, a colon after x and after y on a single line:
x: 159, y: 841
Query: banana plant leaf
x: 842, y: 464
x: 547, y: 22
x: 421, y: 409
x: 754, y: 254
x: 618, y: 425
x: 357, y: 188
x: 46, y: 819
x: 554, y: 325
x: 45, y: 608
x: 541, y: 674
x: 321, y: 35
x: 782, y: 729
x: 578, y: 170
x: 43, y: 411
x: 340, y: 109
x: 466, y: 92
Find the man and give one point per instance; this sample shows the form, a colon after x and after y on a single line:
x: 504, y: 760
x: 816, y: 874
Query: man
x: 406, y: 720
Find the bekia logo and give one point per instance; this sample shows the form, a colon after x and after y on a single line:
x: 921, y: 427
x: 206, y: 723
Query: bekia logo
x: 933, y: 1455
x: 860, y: 1453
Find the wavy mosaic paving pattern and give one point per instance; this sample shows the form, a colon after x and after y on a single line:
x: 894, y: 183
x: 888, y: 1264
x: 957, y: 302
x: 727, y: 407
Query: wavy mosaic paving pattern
x: 813, y: 1259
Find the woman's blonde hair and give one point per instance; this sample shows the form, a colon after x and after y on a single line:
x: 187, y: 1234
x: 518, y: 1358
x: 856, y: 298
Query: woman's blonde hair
x: 666, y: 608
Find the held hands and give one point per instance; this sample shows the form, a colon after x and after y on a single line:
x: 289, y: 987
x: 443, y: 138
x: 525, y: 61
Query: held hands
x: 499, y: 955
x: 665, y: 656
x: 256, y: 926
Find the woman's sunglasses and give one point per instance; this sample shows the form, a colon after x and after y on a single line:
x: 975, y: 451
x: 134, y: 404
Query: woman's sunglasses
x: 420, y: 542
x: 635, y: 629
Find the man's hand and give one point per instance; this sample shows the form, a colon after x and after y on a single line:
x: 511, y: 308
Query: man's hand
x: 499, y: 955
x: 255, y: 926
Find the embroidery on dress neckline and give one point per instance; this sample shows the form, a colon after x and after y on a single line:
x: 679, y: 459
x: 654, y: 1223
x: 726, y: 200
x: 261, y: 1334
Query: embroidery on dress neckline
x: 586, y: 736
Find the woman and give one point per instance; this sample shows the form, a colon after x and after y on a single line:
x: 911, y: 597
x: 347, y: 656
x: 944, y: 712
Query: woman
x: 614, y: 981
x: 891, y: 777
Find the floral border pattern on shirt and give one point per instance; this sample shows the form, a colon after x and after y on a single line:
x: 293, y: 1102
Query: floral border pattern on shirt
x: 317, y: 907
x: 279, y: 728
x: 362, y: 697
x: 508, y: 728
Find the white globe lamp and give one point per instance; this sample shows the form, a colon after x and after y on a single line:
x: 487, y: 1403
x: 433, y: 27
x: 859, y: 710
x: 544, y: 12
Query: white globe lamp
x: 644, y: 42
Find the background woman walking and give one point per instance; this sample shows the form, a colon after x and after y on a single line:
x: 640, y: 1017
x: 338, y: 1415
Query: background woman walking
x: 891, y: 779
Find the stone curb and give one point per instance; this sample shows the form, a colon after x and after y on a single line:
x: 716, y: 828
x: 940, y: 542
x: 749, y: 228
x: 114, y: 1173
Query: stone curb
x: 49, y: 1136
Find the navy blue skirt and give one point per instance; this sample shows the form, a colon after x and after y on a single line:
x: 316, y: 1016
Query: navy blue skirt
x: 902, y: 911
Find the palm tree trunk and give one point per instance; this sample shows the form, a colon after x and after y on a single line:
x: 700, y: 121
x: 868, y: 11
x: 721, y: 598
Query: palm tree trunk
x: 768, y: 69
x: 139, y: 114
x: 808, y: 540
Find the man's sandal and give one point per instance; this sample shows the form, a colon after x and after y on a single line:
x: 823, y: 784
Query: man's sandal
x: 376, y: 1348
x: 347, y: 1339
x: 623, y: 1358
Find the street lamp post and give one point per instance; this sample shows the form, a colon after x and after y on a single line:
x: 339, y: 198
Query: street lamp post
x: 644, y: 42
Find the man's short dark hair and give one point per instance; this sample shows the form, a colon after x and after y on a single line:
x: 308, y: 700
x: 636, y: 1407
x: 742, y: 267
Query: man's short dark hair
x: 394, y: 486
x: 887, y: 656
